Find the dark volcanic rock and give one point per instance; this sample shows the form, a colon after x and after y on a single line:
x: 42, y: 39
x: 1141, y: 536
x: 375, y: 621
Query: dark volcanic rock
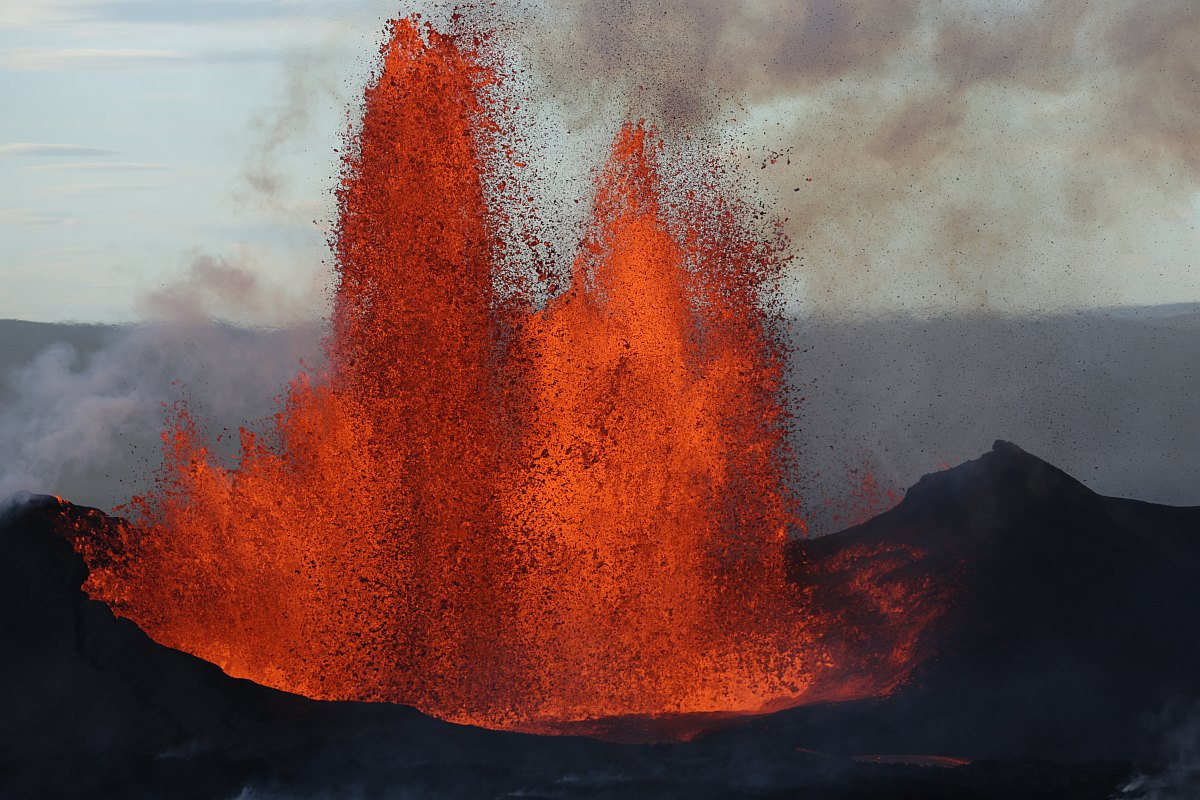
x: 1073, y: 615
x: 1072, y: 618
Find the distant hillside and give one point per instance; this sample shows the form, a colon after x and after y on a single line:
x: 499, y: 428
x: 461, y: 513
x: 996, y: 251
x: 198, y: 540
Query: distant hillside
x: 20, y: 341
x: 1111, y: 396
x: 1114, y: 400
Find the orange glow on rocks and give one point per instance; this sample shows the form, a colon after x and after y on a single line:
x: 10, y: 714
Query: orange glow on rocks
x: 502, y: 514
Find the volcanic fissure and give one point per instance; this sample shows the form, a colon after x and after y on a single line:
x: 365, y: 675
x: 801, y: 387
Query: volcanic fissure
x: 505, y: 512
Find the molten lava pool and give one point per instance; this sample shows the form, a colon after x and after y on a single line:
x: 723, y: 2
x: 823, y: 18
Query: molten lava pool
x: 505, y: 512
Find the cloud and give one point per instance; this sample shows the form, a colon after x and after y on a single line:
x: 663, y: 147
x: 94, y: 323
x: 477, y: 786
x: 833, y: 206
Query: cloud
x: 20, y: 14
x: 174, y: 13
x: 93, y: 188
x: 29, y: 59
x: 159, y: 97
x: 25, y: 216
x: 100, y: 166
x: 72, y: 251
x: 58, y: 15
x: 36, y: 149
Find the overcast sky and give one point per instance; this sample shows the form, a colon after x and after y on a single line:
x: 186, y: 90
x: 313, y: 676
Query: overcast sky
x: 160, y: 157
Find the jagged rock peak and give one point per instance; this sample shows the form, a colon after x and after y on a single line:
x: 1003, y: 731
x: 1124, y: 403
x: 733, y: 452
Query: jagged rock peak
x: 1006, y: 473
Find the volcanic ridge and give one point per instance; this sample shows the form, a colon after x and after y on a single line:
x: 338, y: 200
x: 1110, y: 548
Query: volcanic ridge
x: 1068, y: 622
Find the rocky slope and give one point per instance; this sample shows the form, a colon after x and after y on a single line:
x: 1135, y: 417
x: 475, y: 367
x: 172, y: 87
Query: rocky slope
x: 1064, y: 622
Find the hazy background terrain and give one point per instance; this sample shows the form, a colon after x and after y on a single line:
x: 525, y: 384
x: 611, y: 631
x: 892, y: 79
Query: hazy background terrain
x: 1108, y: 396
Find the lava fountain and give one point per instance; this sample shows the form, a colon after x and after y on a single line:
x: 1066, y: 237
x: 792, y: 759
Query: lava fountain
x: 500, y: 512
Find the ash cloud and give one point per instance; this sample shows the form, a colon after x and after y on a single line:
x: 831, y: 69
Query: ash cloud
x: 280, y: 129
x: 959, y: 180
x: 676, y: 56
x: 231, y: 287
x: 1001, y: 156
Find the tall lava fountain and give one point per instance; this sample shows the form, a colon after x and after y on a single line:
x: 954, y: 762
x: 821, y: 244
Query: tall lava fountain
x: 500, y: 513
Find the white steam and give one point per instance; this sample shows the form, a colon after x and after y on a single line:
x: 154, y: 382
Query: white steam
x: 84, y: 421
x: 1180, y: 780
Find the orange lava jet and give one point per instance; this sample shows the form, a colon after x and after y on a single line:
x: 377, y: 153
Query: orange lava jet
x: 500, y: 514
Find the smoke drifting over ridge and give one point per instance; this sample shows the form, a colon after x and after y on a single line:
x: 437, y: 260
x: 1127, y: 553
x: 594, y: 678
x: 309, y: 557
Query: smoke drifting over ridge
x: 1002, y: 156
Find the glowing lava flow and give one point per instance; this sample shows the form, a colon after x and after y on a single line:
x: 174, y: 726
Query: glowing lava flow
x: 499, y: 514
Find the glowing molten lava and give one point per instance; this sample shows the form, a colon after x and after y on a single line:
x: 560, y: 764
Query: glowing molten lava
x: 501, y: 514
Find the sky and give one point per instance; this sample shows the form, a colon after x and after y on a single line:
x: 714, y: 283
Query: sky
x: 161, y: 159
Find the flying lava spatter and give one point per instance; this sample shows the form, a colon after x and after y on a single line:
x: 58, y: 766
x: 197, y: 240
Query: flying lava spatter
x: 500, y: 512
